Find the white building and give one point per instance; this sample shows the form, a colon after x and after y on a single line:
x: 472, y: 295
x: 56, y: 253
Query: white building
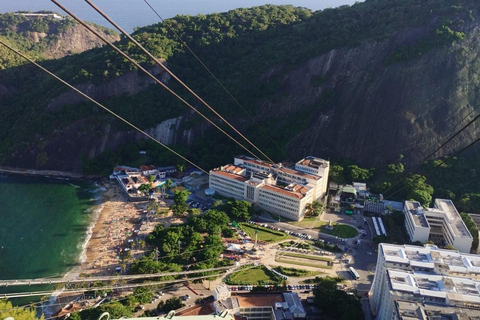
x: 428, y: 289
x: 273, y: 187
x: 408, y: 310
x: 442, y: 223
x: 401, y: 270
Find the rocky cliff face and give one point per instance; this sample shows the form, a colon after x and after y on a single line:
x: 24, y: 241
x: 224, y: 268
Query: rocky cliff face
x: 75, y: 40
x: 372, y: 112
x: 358, y: 104
x: 47, y: 36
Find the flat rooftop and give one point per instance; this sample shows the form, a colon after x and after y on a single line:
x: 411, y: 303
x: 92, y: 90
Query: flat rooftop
x: 285, y: 192
x: 429, y: 257
x: 455, y: 220
x: 408, y: 310
x: 415, y: 210
x: 435, y: 286
x: 233, y: 176
x: 314, y: 162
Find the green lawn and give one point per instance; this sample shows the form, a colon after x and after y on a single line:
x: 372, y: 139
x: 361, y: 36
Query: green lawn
x: 302, y: 263
x: 293, y: 272
x: 310, y: 222
x: 305, y: 260
x: 304, y: 256
x: 340, y: 230
x: 254, y: 276
x: 264, y: 234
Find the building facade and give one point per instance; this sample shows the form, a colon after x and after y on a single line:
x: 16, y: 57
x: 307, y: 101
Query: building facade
x: 441, y: 224
x: 273, y: 187
x: 423, y: 274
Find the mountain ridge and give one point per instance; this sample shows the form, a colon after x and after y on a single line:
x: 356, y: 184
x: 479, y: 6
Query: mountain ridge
x: 368, y: 96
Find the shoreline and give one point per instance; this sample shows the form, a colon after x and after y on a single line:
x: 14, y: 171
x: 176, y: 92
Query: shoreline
x: 115, y: 228
x: 48, y: 173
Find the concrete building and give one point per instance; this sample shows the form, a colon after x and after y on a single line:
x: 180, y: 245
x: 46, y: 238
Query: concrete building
x: 263, y: 306
x: 401, y: 270
x: 428, y: 289
x: 273, y: 187
x: 408, y: 310
x: 171, y: 316
x: 442, y: 224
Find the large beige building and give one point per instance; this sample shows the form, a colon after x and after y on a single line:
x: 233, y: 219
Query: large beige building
x: 442, y: 224
x: 426, y: 275
x: 273, y: 187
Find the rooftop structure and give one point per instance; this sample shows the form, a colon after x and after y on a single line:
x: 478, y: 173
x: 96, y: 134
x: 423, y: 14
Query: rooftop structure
x: 429, y: 274
x: 442, y: 223
x: 275, y: 188
x: 172, y: 316
x: 408, y: 310
x: 269, y: 306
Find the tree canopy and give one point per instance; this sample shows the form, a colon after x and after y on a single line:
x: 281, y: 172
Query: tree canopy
x: 18, y: 313
x: 334, y: 303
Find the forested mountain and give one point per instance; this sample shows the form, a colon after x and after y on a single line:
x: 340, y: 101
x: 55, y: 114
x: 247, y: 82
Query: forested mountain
x: 45, y: 35
x: 369, y: 82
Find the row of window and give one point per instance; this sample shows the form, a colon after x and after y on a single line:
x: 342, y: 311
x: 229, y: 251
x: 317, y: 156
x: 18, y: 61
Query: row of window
x: 278, y: 199
x: 277, y: 196
x: 223, y: 188
x: 277, y: 205
x: 220, y: 181
x: 280, y: 211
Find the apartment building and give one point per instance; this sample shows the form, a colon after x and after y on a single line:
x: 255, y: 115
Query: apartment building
x: 408, y: 310
x: 423, y: 274
x: 273, y: 187
x: 442, y: 224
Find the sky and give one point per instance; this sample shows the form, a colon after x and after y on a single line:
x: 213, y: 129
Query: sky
x: 136, y: 13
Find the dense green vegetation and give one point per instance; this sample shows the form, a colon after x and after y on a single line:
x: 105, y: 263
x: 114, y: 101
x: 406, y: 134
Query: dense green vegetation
x: 238, y: 46
x: 255, y: 276
x: 18, y: 313
x: 35, y: 35
x: 197, y: 241
x: 472, y: 228
x: 335, y: 303
x: 172, y: 303
x: 263, y: 234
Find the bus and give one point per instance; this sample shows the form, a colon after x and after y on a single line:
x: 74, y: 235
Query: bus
x: 354, y: 273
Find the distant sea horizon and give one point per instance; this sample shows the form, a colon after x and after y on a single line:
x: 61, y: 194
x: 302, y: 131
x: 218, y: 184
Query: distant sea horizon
x: 130, y: 14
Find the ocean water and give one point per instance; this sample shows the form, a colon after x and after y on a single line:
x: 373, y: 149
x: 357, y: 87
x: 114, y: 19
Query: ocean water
x: 43, y: 225
x: 136, y: 13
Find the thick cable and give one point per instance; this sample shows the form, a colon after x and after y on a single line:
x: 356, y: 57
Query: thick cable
x: 102, y: 106
x: 161, y: 65
x: 436, y: 150
x: 441, y: 162
x: 213, y: 75
x: 136, y: 64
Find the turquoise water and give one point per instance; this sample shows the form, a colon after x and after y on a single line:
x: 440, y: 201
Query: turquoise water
x: 43, y: 225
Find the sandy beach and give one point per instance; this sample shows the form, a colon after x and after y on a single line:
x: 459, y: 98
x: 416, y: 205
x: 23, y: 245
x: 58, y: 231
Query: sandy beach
x: 117, y: 230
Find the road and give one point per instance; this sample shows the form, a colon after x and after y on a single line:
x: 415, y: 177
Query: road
x: 363, y: 257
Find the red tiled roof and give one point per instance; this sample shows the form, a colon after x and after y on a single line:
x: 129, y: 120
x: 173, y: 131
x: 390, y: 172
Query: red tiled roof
x: 203, y: 309
x: 146, y: 168
x: 299, y: 173
x: 230, y: 175
x: 283, y: 191
x: 259, y: 300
